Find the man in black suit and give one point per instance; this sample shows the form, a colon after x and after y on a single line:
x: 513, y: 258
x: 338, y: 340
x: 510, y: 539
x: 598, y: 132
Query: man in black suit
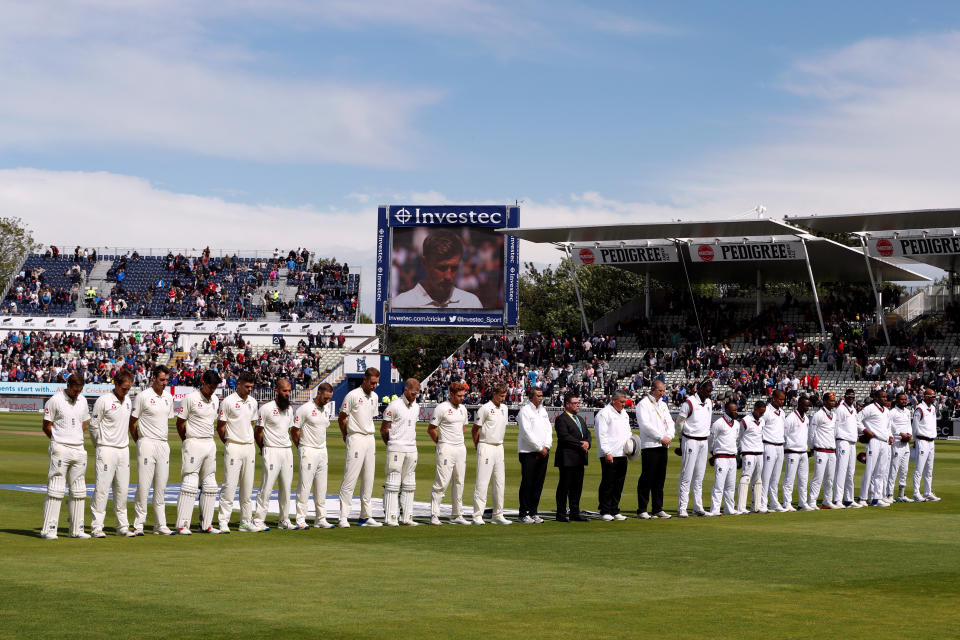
x: 573, y: 442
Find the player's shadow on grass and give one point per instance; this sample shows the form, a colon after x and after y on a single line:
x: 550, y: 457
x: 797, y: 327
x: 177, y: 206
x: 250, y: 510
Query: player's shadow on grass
x: 30, y: 533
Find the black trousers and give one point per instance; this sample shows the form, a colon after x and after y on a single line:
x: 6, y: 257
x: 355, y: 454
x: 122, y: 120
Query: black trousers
x: 612, y: 475
x: 569, y: 488
x: 652, y: 476
x: 533, y: 470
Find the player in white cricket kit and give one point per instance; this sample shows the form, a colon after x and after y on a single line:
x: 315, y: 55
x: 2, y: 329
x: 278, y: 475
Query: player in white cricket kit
x: 875, y: 418
x: 693, y: 424
x: 848, y: 431
x: 751, y: 456
x: 924, y: 432
x: 65, y: 417
x: 724, y: 434
x: 272, y: 435
x: 773, y: 419
x: 399, y: 432
x: 357, y: 428
x: 238, y: 412
x: 110, y: 432
x: 152, y: 409
x: 901, y: 428
x: 796, y: 429
x: 309, y: 433
x: 822, y: 441
x: 196, y: 425
x: 489, y: 427
x: 446, y: 429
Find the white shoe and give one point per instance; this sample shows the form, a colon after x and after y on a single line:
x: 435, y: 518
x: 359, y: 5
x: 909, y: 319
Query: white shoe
x: 323, y: 524
x: 49, y: 535
x: 762, y: 510
x: 905, y: 499
x: 392, y: 523
x: 607, y: 517
x: 370, y: 522
x: 286, y: 524
x: 918, y: 498
x: 682, y: 514
x: 932, y: 498
x: 662, y: 514
x: 138, y: 532
x: 260, y: 525
x: 98, y: 533
x: 699, y: 513
x: 644, y: 516
x: 709, y: 514
x: 886, y: 501
x: 225, y: 527
x: 184, y: 531
x: 247, y: 527
x: 124, y: 532
x: 344, y: 524
x: 211, y: 530
x: 500, y: 520
x: 837, y: 505
x: 807, y: 507
x: 82, y: 535
x: 478, y: 521
x: 788, y: 507
x: 856, y: 505
x: 741, y: 512
x: 539, y: 520
x: 862, y: 503
x: 460, y: 520
x: 409, y: 522
x: 619, y: 516
x: 527, y: 520
x: 882, y: 503
x: 162, y: 531
x: 435, y: 521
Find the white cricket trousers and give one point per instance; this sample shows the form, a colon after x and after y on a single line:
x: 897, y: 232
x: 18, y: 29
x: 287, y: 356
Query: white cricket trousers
x: 313, y: 475
x: 489, y: 464
x: 451, y: 463
x: 239, y: 465
x: 824, y: 468
x: 751, y: 476
x: 360, y: 459
x: 797, y: 468
x: 873, y: 483
x: 68, y: 464
x: 923, y: 468
x: 153, y: 468
x: 113, y: 470
x: 198, y: 467
x: 691, y: 473
x: 724, y: 484
x: 400, y: 481
x: 277, y: 464
x: 899, y: 464
x: 843, y: 483
x: 772, y: 466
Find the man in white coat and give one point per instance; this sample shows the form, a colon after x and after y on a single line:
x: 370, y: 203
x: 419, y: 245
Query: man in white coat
x: 656, y: 434
x: 534, y: 441
x: 613, y: 429
x: 109, y: 430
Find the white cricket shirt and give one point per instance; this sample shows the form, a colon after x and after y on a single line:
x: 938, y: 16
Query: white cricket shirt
x: 313, y: 422
x: 773, y: 425
x: 795, y: 431
x: 925, y: 420
x: 200, y: 414
x: 67, y: 418
x: 877, y: 419
x: 402, y: 416
x: 449, y: 421
x: 360, y: 409
x: 751, y: 434
x: 493, y: 423
x: 848, y: 422
x: 901, y: 421
x: 110, y: 423
x: 238, y: 416
x: 698, y: 416
x: 152, y: 412
x: 276, y: 425
x: 723, y: 435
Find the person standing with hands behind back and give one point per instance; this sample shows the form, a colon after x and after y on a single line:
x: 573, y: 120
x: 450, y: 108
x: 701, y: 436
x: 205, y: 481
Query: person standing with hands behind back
x: 573, y: 443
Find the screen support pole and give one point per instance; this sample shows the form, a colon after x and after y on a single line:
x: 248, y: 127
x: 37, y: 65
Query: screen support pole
x: 813, y: 285
x: 576, y: 287
x: 873, y: 285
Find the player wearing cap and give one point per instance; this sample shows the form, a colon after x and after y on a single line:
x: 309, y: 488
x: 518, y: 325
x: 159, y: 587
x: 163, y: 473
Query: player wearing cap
x: 693, y: 425
x: 773, y: 438
x: 534, y: 441
x: 722, y: 442
x: 356, y: 426
x: 613, y: 430
x: 446, y: 429
x: 489, y: 427
x: 65, y: 417
x: 149, y: 427
x: 399, y: 432
x: 751, y: 456
x: 796, y: 429
x: 925, y: 432
x: 309, y: 433
x: 196, y: 425
x: 848, y: 430
x: 238, y: 412
x: 901, y: 428
x: 821, y: 439
x: 875, y: 418
x: 272, y: 435
x: 110, y: 432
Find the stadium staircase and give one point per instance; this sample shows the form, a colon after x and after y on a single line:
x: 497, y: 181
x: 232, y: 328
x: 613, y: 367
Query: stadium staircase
x: 96, y: 279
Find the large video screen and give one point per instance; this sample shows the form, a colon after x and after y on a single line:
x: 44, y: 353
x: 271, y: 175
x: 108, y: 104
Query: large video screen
x: 447, y: 265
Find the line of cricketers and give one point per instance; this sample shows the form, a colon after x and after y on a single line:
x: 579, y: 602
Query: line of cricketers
x: 763, y: 440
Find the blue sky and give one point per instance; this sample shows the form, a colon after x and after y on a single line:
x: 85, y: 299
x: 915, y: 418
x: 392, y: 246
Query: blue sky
x: 249, y: 124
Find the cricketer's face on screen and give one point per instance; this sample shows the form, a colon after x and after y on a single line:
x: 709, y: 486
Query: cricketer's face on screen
x: 441, y: 276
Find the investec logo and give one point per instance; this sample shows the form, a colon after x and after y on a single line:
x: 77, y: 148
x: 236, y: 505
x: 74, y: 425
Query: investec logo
x: 418, y: 216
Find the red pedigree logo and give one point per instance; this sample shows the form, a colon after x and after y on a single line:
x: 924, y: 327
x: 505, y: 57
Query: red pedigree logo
x: 884, y: 247
x: 586, y: 256
x: 705, y: 252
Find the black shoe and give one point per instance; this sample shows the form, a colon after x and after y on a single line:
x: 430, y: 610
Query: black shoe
x: 563, y: 519
x: 579, y: 518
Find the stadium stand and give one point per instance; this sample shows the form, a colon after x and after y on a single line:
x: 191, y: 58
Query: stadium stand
x: 48, y: 284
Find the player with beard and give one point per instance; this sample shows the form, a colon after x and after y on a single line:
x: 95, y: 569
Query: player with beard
x: 272, y: 435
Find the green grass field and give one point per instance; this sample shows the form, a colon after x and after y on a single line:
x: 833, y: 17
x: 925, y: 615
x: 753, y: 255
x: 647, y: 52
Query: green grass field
x: 867, y: 573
